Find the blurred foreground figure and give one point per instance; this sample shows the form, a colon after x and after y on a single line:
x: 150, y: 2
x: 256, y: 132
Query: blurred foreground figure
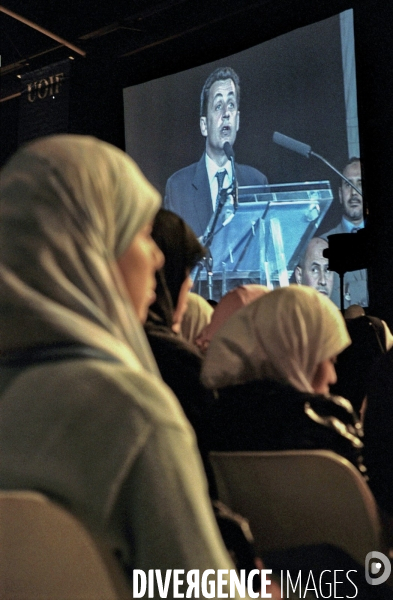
x: 85, y: 417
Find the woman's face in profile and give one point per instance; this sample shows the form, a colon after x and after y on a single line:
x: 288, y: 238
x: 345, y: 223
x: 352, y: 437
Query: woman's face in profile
x: 325, y: 376
x: 138, y: 266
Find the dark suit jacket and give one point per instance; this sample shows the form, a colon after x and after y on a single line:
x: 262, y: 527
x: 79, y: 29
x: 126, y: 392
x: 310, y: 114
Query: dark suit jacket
x: 188, y: 192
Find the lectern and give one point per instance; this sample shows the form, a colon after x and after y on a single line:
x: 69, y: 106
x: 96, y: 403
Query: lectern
x: 262, y: 240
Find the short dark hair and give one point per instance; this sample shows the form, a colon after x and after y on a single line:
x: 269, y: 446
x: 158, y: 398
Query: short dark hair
x: 351, y: 160
x: 219, y: 74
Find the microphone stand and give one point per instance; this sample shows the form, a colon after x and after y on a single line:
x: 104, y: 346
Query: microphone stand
x: 209, y: 233
x: 341, y: 273
x: 305, y: 150
x: 207, y: 240
x: 234, y: 184
x: 208, y: 260
x: 336, y: 171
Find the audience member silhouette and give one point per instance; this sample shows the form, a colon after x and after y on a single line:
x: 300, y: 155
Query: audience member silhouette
x: 378, y: 435
x: 178, y: 360
x: 369, y: 339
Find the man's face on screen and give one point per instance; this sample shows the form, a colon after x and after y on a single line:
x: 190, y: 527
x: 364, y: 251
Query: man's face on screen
x: 352, y: 202
x: 314, y: 271
x: 222, y: 120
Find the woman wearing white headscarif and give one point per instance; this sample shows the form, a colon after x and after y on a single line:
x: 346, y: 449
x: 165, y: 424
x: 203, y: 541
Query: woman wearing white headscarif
x: 229, y: 303
x: 272, y: 363
x: 197, y: 316
x: 84, y: 415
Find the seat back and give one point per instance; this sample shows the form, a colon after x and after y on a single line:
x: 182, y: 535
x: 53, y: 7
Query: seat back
x: 297, y: 497
x: 47, y: 554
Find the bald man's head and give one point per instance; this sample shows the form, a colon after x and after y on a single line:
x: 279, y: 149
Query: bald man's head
x: 313, y: 269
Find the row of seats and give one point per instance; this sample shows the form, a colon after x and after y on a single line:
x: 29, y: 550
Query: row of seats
x: 290, y: 498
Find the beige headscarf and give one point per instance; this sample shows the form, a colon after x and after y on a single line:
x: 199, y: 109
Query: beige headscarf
x: 69, y: 206
x: 198, y: 314
x: 283, y: 335
x: 230, y: 303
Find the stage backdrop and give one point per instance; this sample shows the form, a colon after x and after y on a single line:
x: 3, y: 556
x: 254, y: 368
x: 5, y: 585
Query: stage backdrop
x: 293, y: 84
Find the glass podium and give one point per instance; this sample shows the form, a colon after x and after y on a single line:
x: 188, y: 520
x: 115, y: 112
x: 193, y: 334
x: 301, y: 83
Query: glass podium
x: 264, y: 239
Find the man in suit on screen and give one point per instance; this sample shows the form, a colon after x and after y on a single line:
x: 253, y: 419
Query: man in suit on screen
x: 193, y: 191
x: 352, y: 220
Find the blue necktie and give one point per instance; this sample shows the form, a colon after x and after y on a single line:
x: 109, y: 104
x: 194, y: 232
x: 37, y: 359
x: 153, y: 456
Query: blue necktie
x: 355, y: 229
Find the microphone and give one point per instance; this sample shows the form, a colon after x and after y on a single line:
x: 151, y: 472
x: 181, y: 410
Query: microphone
x: 231, y: 156
x: 291, y: 144
x: 229, y: 151
x: 305, y: 150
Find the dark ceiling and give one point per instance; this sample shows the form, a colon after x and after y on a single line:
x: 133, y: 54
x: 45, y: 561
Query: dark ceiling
x: 139, y: 38
x: 113, y: 30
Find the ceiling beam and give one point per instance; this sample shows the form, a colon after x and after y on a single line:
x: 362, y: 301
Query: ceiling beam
x: 42, y: 30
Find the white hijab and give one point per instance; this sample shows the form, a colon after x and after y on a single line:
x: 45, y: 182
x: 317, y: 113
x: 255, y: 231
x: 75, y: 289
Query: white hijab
x: 282, y: 335
x: 69, y: 207
x: 229, y: 303
x: 198, y: 314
